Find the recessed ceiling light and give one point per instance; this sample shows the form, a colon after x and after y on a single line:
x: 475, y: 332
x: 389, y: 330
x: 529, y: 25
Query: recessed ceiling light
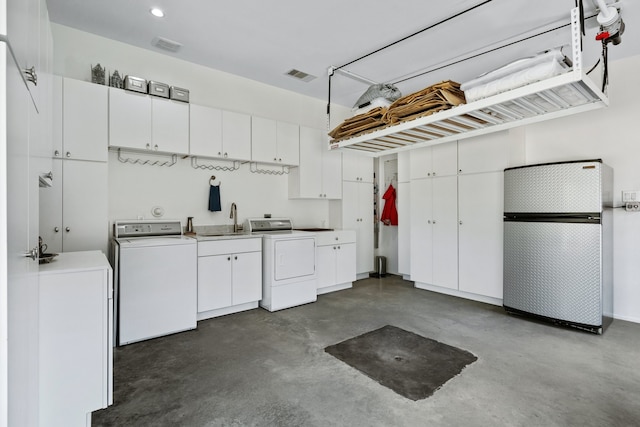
x: 157, y: 12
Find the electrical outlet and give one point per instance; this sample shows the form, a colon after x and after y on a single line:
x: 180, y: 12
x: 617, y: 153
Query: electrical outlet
x: 632, y: 207
x: 630, y: 196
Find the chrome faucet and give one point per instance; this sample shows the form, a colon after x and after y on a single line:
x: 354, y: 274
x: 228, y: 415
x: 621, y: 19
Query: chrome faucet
x: 234, y: 215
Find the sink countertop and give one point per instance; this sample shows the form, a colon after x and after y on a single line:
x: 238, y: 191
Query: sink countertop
x: 219, y: 232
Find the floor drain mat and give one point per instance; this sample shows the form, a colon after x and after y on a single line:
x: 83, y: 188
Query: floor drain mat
x: 409, y: 364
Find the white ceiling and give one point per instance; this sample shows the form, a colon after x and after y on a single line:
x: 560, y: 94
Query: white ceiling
x: 262, y: 40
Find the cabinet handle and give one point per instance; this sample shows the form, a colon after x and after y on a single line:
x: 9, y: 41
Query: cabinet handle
x: 280, y: 160
x: 460, y: 222
x: 434, y: 221
x: 429, y: 222
x: 228, y: 258
x: 219, y: 153
x: 56, y: 153
x: 155, y: 147
x: 275, y: 160
x: 56, y: 229
x: 67, y: 229
x: 225, y: 154
x: 338, y: 247
x: 428, y: 173
x: 459, y: 170
x: 434, y: 174
x: 148, y: 146
x: 235, y: 257
x: 68, y: 154
x: 336, y: 238
x: 334, y: 248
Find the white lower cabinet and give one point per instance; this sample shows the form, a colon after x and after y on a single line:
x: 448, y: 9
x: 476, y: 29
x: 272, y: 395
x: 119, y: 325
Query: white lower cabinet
x: 229, y: 276
x: 357, y: 215
x: 335, y: 260
x: 434, y: 235
x: 75, y: 340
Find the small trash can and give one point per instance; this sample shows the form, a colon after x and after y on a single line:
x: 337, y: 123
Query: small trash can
x: 380, y: 266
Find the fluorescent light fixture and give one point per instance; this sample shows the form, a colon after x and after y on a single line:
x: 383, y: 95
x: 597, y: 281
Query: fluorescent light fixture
x: 157, y: 12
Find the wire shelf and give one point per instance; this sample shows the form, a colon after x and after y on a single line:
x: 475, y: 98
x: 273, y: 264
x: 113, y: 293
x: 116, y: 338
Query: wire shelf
x: 173, y: 159
x: 235, y: 166
x: 253, y: 167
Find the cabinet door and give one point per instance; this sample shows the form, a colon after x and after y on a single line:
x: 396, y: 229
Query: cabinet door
x: 364, y: 237
x: 72, y: 346
x: 57, y: 116
x: 420, y: 243
x: 236, y: 135
x: 170, y: 125
x: 264, y: 140
x: 480, y: 199
x: 85, y: 224
x: 214, y: 282
x: 420, y: 163
x: 357, y: 167
x: 345, y: 261
x: 288, y: 137
x: 404, y: 228
x: 445, y: 232
x: 404, y: 166
x: 84, y: 121
x: 129, y: 119
x: 326, y: 265
x: 51, y: 210
x: 331, y: 172
x: 247, y: 277
x: 444, y: 158
x: 205, y: 131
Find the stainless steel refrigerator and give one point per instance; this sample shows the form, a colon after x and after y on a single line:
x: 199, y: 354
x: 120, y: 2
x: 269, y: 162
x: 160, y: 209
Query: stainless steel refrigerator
x: 558, y: 243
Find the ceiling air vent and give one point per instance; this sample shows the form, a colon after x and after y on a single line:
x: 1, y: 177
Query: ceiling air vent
x: 166, y: 44
x: 300, y: 75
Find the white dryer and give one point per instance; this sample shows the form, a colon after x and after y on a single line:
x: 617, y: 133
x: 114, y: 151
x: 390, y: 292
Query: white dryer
x: 289, y: 276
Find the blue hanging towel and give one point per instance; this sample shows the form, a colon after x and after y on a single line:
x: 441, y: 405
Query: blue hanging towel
x: 214, y: 198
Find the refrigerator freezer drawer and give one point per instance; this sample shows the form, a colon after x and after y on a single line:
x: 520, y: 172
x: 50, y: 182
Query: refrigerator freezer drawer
x: 558, y: 187
x: 554, y: 270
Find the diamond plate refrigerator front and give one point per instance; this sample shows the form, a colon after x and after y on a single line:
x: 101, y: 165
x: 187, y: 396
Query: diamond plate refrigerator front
x: 557, y: 243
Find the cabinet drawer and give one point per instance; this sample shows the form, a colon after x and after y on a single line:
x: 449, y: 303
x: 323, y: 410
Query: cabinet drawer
x: 335, y: 237
x: 230, y: 246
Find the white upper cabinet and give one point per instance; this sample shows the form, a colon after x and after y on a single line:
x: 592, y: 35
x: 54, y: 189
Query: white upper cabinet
x: 274, y: 142
x: 236, y: 135
x: 143, y: 122
x: 205, y: 131
x: 169, y: 125
x: 129, y: 119
x: 437, y: 160
x: 319, y: 175
x: 84, y: 122
x: 357, y: 167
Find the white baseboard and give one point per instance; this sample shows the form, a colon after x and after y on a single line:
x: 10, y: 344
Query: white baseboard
x: 334, y: 288
x: 461, y: 294
x: 226, y: 310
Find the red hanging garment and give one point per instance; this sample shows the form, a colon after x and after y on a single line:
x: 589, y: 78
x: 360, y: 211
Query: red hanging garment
x: 389, y: 212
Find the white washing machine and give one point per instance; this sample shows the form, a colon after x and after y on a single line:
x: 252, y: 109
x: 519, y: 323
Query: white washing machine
x: 156, y: 285
x: 289, y: 276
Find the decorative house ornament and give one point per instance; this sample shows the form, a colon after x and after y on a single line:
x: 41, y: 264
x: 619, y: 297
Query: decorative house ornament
x: 115, y: 80
x: 98, y: 74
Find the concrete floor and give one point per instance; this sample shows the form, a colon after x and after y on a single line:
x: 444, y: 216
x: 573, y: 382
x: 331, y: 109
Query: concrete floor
x: 269, y: 369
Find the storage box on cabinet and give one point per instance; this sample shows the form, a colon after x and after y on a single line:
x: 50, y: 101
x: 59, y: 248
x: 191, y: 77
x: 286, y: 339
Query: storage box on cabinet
x: 319, y: 175
x: 143, y: 122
